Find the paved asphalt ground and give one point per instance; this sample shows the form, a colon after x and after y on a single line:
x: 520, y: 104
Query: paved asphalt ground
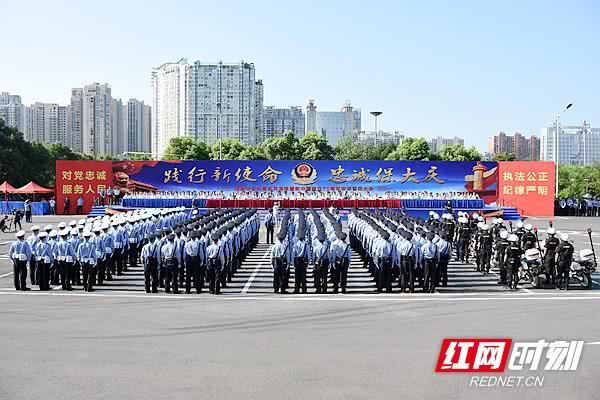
x: 121, y: 343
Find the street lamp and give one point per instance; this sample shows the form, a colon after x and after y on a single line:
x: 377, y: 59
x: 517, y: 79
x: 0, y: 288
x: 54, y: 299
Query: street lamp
x: 556, y: 144
x: 219, y: 129
x: 376, y: 114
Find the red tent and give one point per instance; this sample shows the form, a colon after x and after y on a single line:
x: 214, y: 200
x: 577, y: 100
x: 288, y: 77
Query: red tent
x: 6, y: 188
x: 32, y: 188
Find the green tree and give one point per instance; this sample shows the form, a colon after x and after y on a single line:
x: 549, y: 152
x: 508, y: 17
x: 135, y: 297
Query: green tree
x: 411, y: 149
x: 186, y: 148
x: 458, y: 152
x: 577, y: 181
x: 504, y: 157
x: 348, y: 149
x: 315, y: 147
x: 282, y: 148
x: 228, y: 149
x: 61, y: 152
x: 251, y: 152
x: 21, y: 161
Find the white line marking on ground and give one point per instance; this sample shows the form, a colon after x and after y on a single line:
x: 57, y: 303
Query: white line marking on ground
x: 431, y: 297
x: 593, y: 343
x: 5, y: 275
x: 255, y: 272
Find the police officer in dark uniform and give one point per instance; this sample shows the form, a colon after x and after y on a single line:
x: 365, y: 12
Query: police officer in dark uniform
x: 485, y: 248
x: 216, y: 260
x: 193, y: 257
x: 463, y: 240
x: 407, y: 252
x: 551, y: 245
x: 169, y: 260
x: 341, y: 259
x: 384, y: 263
x: 279, y: 262
x: 270, y: 226
x: 502, y: 244
x: 444, y: 251
x: 564, y: 252
x: 528, y: 239
x: 513, y: 260
x: 301, y: 254
x: 321, y: 260
x: 150, y: 255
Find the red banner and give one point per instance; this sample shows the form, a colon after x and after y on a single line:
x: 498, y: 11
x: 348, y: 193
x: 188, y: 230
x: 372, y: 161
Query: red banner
x: 528, y: 186
x: 80, y: 179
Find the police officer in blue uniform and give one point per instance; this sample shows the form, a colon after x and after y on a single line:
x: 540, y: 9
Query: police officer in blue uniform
x: 20, y: 253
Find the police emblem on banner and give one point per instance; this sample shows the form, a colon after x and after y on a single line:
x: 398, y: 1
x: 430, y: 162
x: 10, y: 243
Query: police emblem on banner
x: 304, y: 174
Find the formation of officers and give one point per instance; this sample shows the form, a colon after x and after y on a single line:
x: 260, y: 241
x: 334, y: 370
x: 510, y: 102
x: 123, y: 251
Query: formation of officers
x: 182, y: 250
x: 414, y: 251
x: 176, y: 249
x: 312, y: 238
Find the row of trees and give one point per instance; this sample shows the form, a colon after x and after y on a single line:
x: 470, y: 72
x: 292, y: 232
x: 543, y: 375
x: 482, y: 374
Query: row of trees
x: 21, y: 161
x: 313, y: 146
x: 576, y: 181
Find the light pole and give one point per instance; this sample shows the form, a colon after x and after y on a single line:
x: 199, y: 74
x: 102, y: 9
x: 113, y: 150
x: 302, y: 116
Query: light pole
x: 376, y: 114
x: 556, y: 144
x: 219, y: 129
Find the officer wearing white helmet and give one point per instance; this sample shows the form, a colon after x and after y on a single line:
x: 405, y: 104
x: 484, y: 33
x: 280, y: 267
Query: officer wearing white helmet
x: 485, y: 248
x: 65, y: 256
x: 20, y: 252
x: 44, y: 259
x: 109, y: 261
x: 86, y: 254
x: 512, y: 260
x: 528, y: 239
x: 564, y: 253
x: 33, y: 241
x: 501, y: 245
x: 551, y: 246
x: 463, y: 238
x: 54, y: 268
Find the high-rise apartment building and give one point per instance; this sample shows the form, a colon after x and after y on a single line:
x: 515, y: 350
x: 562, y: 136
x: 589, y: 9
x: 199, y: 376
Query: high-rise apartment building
x: 137, y: 126
x: 382, y: 137
x: 436, y: 144
x: 225, y: 101
x: 12, y: 111
x: 277, y: 121
x: 90, y: 119
x: 169, y: 103
x: 521, y: 147
x: 75, y: 120
x: 47, y: 124
x: 97, y: 121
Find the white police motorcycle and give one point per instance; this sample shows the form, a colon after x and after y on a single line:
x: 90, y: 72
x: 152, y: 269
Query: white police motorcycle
x: 532, y: 268
x: 582, y: 268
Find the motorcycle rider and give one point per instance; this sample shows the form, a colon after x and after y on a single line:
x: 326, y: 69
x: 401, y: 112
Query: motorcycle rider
x: 512, y: 260
x: 502, y: 244
x: 565, y: 252
x: 464, y: 237
x: 528, y: 238
x: 550, y: 255
x: 485, y: 248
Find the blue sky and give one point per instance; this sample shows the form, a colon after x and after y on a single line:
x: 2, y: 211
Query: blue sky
x: 466, y: 68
